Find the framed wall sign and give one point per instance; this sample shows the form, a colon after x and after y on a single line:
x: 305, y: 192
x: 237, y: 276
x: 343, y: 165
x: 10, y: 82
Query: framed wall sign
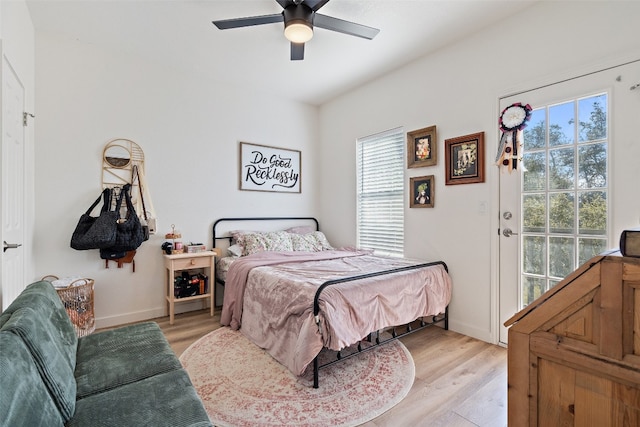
x: 464, y: 158
x: 264, y: 168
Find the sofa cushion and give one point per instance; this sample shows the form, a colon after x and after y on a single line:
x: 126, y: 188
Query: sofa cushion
x: 52, y: 354
x: 167, y: 399
x: 24, y: 399
x: 116, y: 357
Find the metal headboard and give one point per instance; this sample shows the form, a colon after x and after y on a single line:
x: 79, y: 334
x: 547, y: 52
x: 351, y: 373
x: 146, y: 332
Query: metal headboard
x: 217, y: 236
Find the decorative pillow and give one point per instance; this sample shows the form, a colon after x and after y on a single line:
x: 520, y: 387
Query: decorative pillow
x: 237, y: 239
x: 270, y: 241
x: 236, y: 236
x: 315, y: 241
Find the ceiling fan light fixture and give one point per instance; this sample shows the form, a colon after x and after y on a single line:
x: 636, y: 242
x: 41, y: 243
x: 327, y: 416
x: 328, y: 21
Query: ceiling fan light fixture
x: 300, y: 17
x: 298, y: 31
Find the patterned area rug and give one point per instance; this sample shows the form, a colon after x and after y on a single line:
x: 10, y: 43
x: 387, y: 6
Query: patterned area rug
x: 241, y: 385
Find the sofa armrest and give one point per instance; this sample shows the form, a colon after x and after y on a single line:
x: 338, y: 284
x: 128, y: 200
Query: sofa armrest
x: 24, y: 398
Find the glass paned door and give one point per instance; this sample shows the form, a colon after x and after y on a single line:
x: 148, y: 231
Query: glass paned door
x: 563, y: 207
x: 564, y: 191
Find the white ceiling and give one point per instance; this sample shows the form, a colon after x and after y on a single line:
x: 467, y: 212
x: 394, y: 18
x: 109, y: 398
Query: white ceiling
x: 180, y: 33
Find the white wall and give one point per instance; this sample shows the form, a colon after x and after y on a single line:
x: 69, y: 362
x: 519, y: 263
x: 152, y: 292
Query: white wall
x: 189, y: 128
x: 457, y: 89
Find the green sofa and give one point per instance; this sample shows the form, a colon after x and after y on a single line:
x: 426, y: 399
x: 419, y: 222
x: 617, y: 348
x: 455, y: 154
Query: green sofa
x: 127, y: 376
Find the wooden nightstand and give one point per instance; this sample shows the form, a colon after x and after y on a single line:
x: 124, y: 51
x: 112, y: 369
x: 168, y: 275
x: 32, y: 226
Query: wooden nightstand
x: 203, y: 261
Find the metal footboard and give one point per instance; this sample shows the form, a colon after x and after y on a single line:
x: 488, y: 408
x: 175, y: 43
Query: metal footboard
x: 408, y: 329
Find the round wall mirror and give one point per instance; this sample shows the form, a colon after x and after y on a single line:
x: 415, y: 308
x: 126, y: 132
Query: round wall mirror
x: 117, y: 156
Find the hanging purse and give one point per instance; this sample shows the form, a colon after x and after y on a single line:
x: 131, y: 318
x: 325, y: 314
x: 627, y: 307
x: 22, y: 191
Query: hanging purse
x: 129, y: 235
x: 96, y: 232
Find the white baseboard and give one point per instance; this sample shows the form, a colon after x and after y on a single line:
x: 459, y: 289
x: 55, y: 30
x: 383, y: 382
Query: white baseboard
x: 470, y: 330
x: 123, y: 319
x: 140, y: 316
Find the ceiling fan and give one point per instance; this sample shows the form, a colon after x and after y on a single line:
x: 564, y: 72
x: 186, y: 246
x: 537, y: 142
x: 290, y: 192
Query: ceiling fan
x: 299, y: 17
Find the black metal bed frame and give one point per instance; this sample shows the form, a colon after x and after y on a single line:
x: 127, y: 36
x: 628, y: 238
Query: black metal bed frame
x: 408, y: 329
x: 263, y: 218
x: 215, y: 238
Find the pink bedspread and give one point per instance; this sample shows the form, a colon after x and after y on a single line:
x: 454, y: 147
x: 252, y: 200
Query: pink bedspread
x: 269, y: 296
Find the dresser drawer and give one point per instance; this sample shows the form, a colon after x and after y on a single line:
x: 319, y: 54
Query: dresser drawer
x: 187, y: 263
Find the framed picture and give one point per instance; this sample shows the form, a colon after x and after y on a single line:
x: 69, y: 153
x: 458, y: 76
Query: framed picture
x: 464, y: 158
x: 264, y: 168
x: 421, y: 192
x: 422, y: 148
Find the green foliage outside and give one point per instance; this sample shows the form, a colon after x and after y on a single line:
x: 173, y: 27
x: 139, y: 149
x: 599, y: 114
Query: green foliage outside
x: 564, y: 194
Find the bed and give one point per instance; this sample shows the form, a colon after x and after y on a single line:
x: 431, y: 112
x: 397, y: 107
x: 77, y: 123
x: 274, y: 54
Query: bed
x: 291, y: 293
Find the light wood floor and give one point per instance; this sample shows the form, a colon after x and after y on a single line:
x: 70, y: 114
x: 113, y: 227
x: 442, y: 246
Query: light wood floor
x: 460, y: 381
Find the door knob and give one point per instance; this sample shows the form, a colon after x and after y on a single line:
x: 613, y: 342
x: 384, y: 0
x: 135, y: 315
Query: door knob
x: 508, y: 233
x: 10, y: 246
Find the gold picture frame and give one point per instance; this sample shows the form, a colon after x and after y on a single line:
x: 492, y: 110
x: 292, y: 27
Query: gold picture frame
x: 422, y: 147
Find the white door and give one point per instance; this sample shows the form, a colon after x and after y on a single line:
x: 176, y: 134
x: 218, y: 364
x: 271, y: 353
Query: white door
x: 12, y: 185
x: 579, y: 185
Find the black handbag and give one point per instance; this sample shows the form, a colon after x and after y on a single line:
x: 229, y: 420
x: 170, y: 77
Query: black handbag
x: 129, y: 234
x: 96, y: 232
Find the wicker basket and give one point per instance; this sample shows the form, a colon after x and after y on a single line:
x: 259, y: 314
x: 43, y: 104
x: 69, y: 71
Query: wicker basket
x: 78, y: 301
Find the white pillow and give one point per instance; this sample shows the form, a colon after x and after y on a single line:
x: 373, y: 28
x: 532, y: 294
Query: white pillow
x: 234, y: 250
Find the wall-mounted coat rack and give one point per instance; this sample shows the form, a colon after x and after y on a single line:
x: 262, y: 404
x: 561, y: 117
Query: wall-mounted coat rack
x: 120, y: 158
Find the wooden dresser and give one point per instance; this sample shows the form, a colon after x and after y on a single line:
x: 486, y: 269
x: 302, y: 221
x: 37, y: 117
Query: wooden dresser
x: 574, y: 353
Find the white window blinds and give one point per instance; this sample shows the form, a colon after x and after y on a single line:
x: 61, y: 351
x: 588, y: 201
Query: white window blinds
x: 380, y: 187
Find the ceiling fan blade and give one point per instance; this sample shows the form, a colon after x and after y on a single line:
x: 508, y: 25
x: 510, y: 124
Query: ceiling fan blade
x: 226, y: 24
x: 346, y: 27
x: 297, y: 51
x: 285, y: 3
x: 315, y: 4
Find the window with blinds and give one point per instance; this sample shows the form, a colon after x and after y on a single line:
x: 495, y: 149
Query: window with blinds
x: 380, y: 187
